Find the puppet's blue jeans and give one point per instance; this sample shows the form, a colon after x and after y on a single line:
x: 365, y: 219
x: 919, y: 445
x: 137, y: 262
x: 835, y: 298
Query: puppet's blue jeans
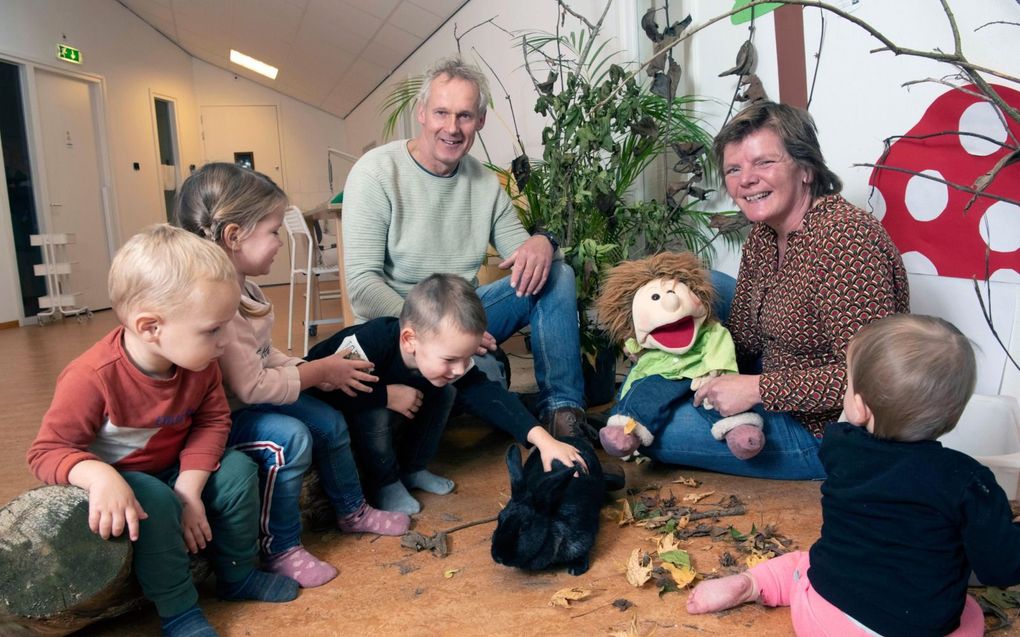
x: 555, y: 333
x: 790, y: 452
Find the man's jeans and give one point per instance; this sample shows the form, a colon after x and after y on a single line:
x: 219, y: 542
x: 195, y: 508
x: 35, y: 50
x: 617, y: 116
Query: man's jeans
x: 555, y: 333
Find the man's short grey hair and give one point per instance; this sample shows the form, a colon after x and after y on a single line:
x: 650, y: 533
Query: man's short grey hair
x: 456, y: 67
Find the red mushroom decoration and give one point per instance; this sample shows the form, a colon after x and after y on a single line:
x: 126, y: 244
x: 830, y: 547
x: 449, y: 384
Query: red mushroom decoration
x: 925, y: 218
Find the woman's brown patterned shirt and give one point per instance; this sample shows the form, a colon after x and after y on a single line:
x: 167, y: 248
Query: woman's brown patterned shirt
x: 840, y: 272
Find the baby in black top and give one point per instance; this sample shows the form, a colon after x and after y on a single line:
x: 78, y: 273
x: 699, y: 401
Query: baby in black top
x: 904, y: 520
x: 423, y: 360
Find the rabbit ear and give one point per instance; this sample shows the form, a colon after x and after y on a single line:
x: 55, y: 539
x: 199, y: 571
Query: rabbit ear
x: 516, y: 469
x: 553, y: 484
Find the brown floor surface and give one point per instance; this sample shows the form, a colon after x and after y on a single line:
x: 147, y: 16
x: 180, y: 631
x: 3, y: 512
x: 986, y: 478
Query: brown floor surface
x: 384, y: 589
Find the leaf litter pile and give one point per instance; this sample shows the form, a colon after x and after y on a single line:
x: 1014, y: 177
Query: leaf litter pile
x: 676, y: 519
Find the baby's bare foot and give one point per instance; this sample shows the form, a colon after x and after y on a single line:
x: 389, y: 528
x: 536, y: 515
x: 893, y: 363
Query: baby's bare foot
x: 719, y: 594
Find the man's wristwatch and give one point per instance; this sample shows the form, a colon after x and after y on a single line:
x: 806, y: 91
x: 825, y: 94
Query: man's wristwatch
x: 550, y: 236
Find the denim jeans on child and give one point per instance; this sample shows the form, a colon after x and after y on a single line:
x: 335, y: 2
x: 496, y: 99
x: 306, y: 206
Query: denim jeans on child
x: 283, y: 440
x: 790, y: 451
x: 160, y: 560
x: 555, y: 338
x: 389, y: 445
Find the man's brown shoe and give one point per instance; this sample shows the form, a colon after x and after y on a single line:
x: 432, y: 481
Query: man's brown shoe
x: 569, y: 422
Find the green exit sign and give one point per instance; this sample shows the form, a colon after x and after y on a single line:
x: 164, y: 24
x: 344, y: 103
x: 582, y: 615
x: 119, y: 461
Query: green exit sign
x: 68, y: 54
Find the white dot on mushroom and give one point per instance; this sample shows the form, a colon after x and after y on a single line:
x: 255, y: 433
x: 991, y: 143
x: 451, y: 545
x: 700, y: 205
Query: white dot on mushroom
x: 1000, y: 227
x: 876, y: 203
x: 926, y: 199
x: 981, y: 118
x: 917, y: 263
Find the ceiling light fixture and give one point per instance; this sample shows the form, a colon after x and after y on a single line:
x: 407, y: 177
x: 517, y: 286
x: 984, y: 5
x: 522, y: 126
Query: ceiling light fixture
x: 251, y: 63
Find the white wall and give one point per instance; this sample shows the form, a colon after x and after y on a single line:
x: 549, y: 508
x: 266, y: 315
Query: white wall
x: 305, y: 132
x: 135, y: 61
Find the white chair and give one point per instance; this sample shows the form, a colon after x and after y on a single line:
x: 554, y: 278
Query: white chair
x: 296, y: 226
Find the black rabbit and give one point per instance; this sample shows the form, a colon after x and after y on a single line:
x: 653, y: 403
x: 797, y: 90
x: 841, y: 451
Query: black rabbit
x: 552, y: 518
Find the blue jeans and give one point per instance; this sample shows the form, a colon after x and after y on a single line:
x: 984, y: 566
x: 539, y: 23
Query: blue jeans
x: 555, y: 333
x: 790, y: 451
x: 160, y: 559
x: 389, y: 445
x: 283, y: 440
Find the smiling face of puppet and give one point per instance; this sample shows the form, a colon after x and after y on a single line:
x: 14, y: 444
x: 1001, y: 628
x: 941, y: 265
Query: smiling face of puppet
x: 667, y: 316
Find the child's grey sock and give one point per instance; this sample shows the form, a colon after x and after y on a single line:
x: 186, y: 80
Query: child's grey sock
x: 395, y: 497
x: 260, y: 586
x: 190, y: 623
x: 428, y: 482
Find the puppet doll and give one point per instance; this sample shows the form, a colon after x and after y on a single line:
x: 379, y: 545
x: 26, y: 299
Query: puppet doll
x: 660, y: 308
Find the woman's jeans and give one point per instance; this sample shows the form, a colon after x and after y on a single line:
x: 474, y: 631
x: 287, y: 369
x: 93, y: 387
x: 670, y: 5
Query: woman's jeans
x: 790, y: 451
x: 160, y: 559
x: 555, y: 334
x: 389, y: 445
x: 283, y: 440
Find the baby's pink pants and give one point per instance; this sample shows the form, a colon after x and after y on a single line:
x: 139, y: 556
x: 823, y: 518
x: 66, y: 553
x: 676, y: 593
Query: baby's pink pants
x: 782, y: 581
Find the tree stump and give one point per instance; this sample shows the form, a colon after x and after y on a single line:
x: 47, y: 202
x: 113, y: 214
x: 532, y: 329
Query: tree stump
x: 57, y: 576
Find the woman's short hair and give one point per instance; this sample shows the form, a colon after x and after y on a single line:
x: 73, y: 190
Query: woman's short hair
x: 443, y: 297
x: 456, y: 67
x: 156, y: 270
x: 219, y: 194
x: 795, y: 128
x: 915, y: 373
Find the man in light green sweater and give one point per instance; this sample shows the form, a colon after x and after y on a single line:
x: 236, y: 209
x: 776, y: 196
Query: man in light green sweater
x: 420, y: 206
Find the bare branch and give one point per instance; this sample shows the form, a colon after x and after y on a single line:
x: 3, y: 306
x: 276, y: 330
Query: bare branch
x: 942, y: 181
x: 991, y: 326
x: 1015, y: 24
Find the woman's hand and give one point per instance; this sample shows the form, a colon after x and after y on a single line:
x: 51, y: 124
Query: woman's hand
x: 728, y: 394
x: 404, y: 400
x: 552, y: 449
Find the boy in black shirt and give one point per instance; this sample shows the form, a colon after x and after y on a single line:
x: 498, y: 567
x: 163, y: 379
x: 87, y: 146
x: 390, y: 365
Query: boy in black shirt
x: 904, y: 520
x: 423, y: 360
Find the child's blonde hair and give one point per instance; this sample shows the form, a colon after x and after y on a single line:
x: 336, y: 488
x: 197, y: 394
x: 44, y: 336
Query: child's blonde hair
x: 443, y: 297
x: 915, y: 373
x: 219, y: 194
x: 156, y: 270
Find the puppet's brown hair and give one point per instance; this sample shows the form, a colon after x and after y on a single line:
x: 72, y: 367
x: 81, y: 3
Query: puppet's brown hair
x: 618, y: 288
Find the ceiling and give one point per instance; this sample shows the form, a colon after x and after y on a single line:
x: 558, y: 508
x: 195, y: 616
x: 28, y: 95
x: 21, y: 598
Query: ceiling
x: 331, y: 53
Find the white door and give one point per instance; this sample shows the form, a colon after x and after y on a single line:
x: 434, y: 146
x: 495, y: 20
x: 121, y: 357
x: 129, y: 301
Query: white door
x: 67, y: 122
x: 232, y: 131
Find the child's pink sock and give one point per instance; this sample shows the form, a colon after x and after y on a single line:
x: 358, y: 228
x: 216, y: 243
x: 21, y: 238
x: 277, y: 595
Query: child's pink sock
x: 301, y: 566
x: 369, y: 520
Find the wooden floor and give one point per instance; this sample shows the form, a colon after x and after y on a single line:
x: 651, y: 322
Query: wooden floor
x: 384, y: 589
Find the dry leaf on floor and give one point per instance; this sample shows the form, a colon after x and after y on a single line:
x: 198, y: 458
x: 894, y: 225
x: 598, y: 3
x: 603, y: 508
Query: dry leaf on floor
x: 682, y: 575
x: 695, y: 498
x: 687, y: 482
x: 667, y: 542
x: 622, y: 604
x: 756, y: 558
x: 639, y: 568
x: 626, y: 514
x: 564, y: 596
x: 450, y: 572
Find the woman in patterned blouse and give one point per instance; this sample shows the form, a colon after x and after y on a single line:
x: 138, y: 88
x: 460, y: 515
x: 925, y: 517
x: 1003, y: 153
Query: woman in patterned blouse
x: 814, y: 270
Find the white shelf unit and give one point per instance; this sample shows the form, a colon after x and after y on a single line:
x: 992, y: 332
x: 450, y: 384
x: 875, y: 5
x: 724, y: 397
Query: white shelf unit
x: 59, y: 301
